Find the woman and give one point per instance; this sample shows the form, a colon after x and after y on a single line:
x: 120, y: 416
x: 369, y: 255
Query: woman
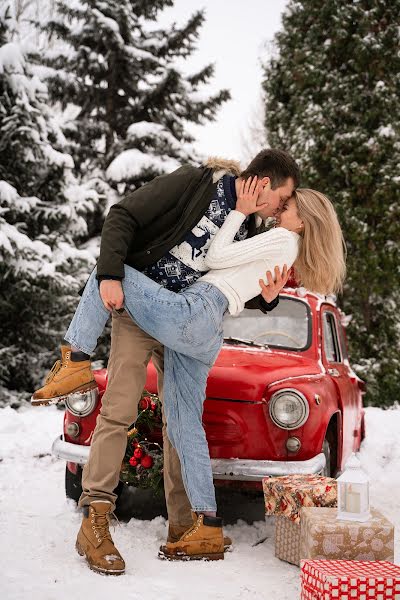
x: 189, y: 324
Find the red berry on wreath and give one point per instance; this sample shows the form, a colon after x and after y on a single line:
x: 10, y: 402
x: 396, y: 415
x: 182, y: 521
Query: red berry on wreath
x: 133, y: 461
x: 147, y: 461
x: 153, y: 406
x: 144, y: 403
x: 138, y: 452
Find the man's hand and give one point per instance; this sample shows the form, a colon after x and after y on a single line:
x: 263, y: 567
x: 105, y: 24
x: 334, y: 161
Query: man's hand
x: 111, y: 293
x: 270, y: 290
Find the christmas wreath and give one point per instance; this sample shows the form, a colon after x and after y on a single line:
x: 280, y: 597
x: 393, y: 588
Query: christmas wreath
x: 142, y: 465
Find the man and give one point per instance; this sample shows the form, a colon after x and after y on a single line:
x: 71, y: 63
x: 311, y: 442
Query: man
x: 163, y: 229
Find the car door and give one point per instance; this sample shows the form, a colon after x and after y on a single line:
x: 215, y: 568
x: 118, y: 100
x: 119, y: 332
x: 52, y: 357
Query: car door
x: 335, y: 365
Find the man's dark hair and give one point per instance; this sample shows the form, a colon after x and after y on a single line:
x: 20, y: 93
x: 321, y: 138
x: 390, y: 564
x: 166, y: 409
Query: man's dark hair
x: 278, y: 165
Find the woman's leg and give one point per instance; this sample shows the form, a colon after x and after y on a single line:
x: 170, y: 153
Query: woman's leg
x: 185, y: 381
x: 182, y: 321
x: 89, y: 319
x: 74, y: 374
x: 186, y: 324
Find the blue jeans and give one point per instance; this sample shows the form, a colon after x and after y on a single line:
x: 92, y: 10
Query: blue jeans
x: 189, y: 324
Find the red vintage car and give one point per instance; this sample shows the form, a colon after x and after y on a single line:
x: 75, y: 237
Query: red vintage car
x: 281, y: 398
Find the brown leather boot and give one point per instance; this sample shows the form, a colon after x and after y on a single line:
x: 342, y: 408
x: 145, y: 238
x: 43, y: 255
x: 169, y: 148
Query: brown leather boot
x: 175, y: 532
x: 203, y: 541
x: 95, y: 543
x: 65, y: 377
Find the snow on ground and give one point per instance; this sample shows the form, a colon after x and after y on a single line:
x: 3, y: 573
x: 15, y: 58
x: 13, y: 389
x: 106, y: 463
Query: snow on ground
x: 38, y: 527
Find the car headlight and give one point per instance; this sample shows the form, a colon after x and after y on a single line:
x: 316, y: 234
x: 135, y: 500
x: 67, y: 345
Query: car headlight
x: 82, y: 404
x: 289, y: 409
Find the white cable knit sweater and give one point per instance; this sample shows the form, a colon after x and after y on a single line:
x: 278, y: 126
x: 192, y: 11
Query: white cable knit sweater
x: 236, y: 267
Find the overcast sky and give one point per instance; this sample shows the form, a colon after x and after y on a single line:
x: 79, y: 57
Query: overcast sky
x: 235, y: 37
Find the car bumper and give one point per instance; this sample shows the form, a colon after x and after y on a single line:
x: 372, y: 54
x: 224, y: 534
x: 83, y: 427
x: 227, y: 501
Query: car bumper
x: 254, y: 470
x: 70, y: 452
x: 235, y: 469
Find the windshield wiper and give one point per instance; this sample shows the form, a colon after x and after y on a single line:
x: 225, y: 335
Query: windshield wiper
x: 234, y: 340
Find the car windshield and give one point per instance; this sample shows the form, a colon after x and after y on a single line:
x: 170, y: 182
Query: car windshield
x: 288, y: 326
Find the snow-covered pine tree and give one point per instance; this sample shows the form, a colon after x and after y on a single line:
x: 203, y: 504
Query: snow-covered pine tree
x: 333, y: 100
x: 43, y: 212
x: 132, y: 102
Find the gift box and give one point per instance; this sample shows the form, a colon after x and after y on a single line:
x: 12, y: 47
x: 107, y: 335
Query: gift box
x: 349, y: 580
x: 287, y: 540
x: 309, y: 594
x: 285, y: 496
x: 323, y: 536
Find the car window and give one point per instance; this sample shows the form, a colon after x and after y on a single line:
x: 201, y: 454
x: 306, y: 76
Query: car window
x: 287, y: 326
x: 331, y: 343
x: 343, y: 345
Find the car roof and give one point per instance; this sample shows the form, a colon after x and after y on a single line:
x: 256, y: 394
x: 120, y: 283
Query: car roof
x: 311, y: 298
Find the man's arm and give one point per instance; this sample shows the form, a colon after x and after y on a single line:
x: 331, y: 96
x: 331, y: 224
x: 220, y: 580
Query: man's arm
x: 135, y: 211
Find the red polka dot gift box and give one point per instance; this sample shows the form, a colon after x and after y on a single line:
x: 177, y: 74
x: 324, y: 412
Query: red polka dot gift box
x: 349, y: 580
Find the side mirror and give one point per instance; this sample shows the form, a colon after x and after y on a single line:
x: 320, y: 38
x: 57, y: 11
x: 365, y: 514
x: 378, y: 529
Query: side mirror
x: 362, y: 386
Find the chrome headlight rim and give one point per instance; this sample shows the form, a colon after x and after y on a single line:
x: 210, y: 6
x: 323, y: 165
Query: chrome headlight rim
x: 91, y: 398
x: 299, y: 397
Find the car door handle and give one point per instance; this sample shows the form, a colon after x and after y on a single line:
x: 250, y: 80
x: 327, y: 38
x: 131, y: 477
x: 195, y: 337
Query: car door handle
x: 333, y: 372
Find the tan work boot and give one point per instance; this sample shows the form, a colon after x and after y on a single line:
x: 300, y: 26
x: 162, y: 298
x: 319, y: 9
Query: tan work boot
x: 65, y: 377
x: 175, y: 532
x: 203, y: 541
x: 94, y: 540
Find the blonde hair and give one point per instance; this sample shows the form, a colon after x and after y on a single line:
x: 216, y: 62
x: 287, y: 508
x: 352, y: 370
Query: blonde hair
x: 321, y: 262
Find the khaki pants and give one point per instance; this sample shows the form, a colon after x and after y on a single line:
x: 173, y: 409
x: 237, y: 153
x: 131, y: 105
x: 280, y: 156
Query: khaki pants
x: 131, y: 350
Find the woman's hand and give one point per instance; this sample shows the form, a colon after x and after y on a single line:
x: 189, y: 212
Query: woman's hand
x: 271, y: 289
x: 248, y: 195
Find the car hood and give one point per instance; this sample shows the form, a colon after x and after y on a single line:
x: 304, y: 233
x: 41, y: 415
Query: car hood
x: 244, y: 373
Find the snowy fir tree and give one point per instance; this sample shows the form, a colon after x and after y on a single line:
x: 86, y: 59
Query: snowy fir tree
x: 333, y: 100
x: 43, y: 214
x: 117, y: 75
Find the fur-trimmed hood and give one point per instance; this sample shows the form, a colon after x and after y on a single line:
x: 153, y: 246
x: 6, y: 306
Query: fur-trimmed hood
x: 222, y: 166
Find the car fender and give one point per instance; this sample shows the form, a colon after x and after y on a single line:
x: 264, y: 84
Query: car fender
x: 323, y: 404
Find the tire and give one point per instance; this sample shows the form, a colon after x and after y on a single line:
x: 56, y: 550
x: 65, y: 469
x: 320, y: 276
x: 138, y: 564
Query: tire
x: 142, y: 504
x: 326, y: 449
x: 363, y: 432
x: 73, y: 483
x: 240, y: 504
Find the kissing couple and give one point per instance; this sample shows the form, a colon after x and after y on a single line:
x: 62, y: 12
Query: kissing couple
x: 177, y: 255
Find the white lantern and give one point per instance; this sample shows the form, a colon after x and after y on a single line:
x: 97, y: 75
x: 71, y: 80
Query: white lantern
x: 353, y: 492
